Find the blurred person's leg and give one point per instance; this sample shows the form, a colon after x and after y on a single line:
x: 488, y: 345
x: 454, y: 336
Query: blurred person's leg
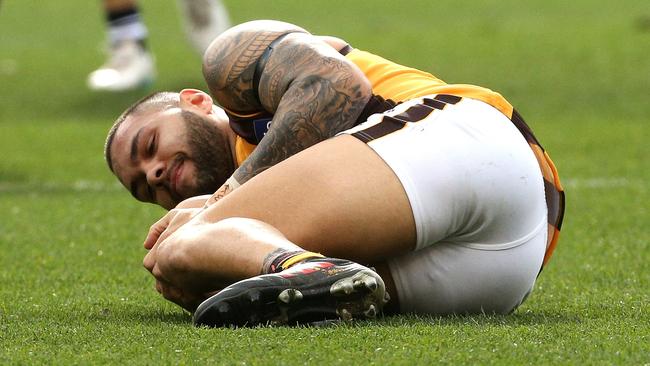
x: 203, y: 20
x: 129, y: 64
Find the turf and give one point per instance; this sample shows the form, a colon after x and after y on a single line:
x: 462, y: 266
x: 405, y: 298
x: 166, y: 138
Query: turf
x: 72, y: 289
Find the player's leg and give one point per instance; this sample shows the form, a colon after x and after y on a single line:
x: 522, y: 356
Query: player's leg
x: 129, y: 63
x: 337, y: 198
x: 477, y: 195
x: 298, y: 286
x: 203, y: 20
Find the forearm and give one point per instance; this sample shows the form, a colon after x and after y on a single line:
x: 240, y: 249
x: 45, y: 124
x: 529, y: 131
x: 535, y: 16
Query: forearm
x: 230, y: 185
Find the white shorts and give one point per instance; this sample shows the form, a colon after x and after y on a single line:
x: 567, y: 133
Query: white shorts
x: 477, y: 195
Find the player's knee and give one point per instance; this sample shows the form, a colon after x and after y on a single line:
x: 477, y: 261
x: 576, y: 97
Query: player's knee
x: 181, y: 252
x: 240, y: 229
x: 177, y: 255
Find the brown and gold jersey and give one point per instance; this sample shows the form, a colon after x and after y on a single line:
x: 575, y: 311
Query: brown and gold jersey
x: 397, y: 83
x: 393, y: 83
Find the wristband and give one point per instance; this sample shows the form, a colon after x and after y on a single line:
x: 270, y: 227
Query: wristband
x: 231, y: 183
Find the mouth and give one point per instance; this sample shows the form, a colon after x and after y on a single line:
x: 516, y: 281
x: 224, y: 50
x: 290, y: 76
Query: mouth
x: 175, y: 177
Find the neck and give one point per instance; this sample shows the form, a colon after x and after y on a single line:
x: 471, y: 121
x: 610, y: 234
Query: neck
x: 222, y: 122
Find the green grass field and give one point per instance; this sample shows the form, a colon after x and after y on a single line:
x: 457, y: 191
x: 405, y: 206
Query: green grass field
x: 72, y: 288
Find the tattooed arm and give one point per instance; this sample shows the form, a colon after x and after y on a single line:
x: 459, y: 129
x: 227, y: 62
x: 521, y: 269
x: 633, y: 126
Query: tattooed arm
x: 313, y: 91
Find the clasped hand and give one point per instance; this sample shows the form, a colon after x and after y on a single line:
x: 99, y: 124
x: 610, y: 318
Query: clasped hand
x: 163, y: 229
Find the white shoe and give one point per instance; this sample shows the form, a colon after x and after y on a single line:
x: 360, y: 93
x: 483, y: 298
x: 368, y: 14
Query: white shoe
x: 129, y: 66
x: 204, y: 20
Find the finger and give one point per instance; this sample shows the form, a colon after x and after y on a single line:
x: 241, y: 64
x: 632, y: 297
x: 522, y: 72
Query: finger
x: 149, y: 261
x: 174, y: 294
x: 157, y: 273
x: 157, y: 229
x: 154, y: 233
x: 165, y: 234
x: 182, y: 217
x: 169, y: 292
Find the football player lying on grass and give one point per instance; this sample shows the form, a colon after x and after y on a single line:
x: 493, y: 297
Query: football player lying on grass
x: 336, y: 177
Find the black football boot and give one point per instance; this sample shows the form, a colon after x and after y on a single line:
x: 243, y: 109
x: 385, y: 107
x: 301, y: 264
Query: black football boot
x: 311, y: 292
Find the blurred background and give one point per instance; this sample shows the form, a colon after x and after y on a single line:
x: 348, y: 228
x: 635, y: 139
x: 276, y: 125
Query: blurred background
x: 578, y: 71
x: 561, y: 64
x: 577, y: 65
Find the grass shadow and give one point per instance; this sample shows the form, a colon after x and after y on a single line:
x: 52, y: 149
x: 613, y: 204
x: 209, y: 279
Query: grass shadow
x: 527, y: 318
x: 139, y: 315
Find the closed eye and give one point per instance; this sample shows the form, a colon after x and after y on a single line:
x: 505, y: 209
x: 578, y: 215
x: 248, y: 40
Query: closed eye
x: 151, y: 146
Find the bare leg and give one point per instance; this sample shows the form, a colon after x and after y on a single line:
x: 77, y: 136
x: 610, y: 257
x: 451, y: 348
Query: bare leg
x: 203, y: 21
x: 204, y: 256
x: 337, y: 198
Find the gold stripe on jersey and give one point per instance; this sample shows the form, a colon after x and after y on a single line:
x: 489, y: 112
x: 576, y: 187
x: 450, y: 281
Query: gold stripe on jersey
x: 243, y: 149
x: 400, y: 83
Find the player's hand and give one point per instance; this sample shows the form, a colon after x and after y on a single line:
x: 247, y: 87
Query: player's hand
x: 194, y: 202
x: 168, y: 224
x: 185, y: 299
x: 158, y: 228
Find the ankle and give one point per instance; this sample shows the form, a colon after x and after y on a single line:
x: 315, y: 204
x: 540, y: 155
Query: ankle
x: 126, y: 25
x: 281, y: 259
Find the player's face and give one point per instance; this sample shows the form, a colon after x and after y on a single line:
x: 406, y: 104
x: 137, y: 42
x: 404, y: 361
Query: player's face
x: 163, y: 158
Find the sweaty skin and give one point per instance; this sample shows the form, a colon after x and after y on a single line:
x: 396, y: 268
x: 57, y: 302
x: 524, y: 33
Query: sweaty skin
x: 311, y: 89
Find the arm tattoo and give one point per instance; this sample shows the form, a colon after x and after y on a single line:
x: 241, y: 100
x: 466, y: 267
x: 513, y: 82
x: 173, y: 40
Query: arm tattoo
x: 229, y: 65
x: 326, y: 98
x: 313, y: 91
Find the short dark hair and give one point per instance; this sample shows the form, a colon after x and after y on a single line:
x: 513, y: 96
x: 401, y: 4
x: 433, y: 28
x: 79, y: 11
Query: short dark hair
x: 155, y: 100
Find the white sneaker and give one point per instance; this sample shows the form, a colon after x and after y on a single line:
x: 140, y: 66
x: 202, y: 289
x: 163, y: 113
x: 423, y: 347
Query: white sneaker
x: 129, y: 66
x: 204, y: 20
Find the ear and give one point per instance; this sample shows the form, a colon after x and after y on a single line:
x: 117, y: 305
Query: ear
x: 193, y: 98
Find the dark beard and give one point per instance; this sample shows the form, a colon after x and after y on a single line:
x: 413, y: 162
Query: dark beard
x: 210, y: 153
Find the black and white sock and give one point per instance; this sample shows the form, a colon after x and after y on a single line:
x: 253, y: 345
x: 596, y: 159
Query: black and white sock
x: 126, y: 24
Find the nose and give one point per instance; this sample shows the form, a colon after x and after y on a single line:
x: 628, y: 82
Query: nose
x: 155, y: 170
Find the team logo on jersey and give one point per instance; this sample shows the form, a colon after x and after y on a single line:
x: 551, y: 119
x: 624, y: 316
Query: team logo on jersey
x: 261, y: 127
